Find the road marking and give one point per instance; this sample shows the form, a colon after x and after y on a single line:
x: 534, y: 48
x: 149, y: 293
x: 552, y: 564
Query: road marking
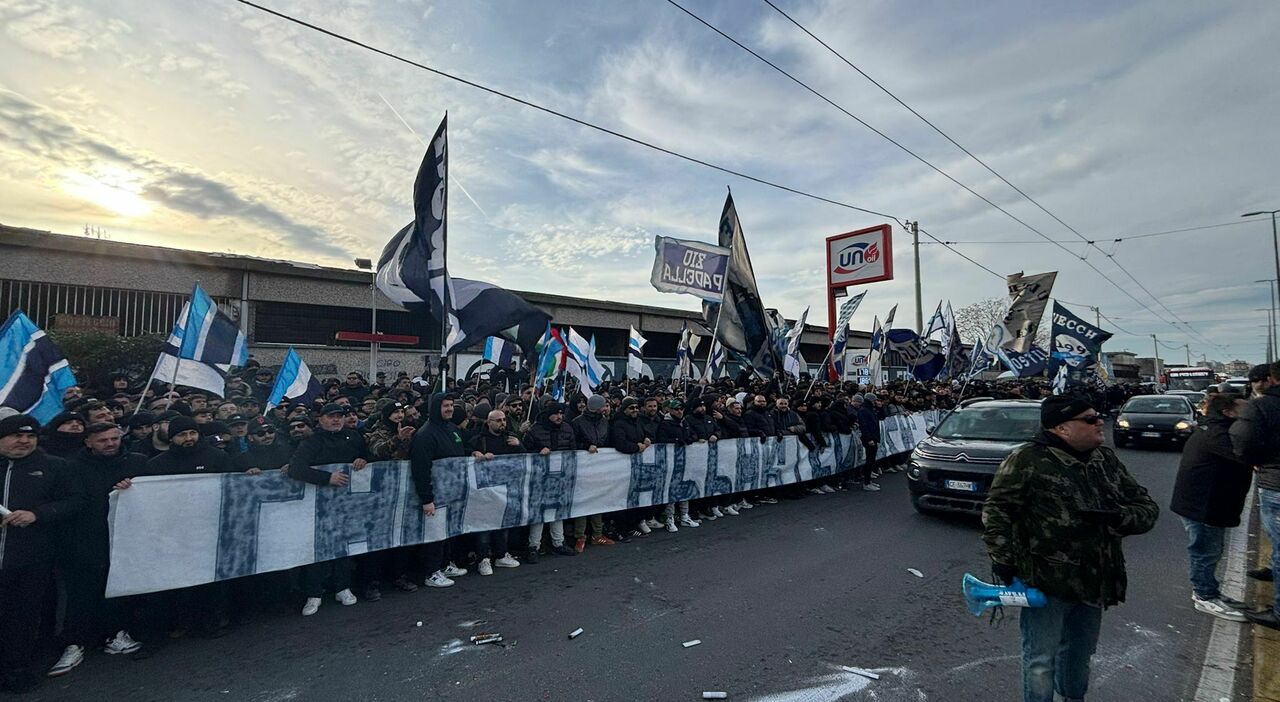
x: 1218, y: 677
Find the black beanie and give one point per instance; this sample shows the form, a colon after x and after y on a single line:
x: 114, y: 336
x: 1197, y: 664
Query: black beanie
x: 177, y: 425
x: 1059, y: 408
x: 18, y: 424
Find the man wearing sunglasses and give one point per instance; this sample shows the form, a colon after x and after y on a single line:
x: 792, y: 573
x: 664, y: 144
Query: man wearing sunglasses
x: 1057, y: 510
x: 266, y: 452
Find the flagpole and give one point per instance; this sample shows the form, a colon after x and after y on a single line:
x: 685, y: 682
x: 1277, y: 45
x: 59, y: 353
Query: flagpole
x: 830, y: 349
x: 150, y: 379
x: 445, y: 302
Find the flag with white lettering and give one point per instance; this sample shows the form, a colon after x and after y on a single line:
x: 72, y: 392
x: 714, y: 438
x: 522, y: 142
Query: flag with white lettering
x: 1076, y: 342
x: 690, y: 267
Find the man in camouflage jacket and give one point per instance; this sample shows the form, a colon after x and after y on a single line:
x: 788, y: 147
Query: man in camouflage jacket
x: 1054, y: 517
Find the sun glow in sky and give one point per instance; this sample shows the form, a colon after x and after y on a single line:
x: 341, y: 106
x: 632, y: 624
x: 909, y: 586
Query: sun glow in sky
x: 112, y: 188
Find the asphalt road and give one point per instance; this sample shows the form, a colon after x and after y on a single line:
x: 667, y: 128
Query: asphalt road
x: 780, y: 597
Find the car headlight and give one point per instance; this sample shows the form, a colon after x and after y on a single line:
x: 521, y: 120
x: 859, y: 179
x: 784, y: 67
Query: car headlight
x: 914, y: 472
x: 1184, y: 425
x: 1122, y: 423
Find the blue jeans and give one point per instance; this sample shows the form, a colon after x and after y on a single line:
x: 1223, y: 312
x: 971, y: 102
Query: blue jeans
x: 1057, y: 642
x: 1269, y: 511
x: 1204, y: 550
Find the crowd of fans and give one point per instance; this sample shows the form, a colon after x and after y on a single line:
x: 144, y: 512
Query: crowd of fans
x: 54, y: 550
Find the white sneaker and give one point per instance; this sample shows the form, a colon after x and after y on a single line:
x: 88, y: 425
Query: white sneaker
x: 827, y: 489
x: 815, y: 491
x: 768, y: 500
x: 485, y: 567
x: 453, y: 571
x: 1218, y: 609
x: 654, y: 524
x: 507, y: 562
x: 871, y: 487
x: 346, y: 597
x: 715, y: 512
x: 644, y: 527
x: 706, y: 517
x: 687, y: 521
x: 671, y: 526
x: 438, y: 579
x: 72, y: 656
x: 745, y: 505
x: 121, y: 643
x: 311, y: 607
x: 730, y: 511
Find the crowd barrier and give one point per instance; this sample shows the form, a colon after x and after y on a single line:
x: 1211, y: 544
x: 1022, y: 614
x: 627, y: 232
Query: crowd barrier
x: 178, y: 531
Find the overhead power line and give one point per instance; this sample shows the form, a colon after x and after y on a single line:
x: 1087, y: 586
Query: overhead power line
x: 631, y: 139
x: 1117, y: 239
x: 957, y: 144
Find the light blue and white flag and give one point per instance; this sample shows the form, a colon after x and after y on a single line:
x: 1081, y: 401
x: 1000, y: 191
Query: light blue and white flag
x: 294, y: 382
x: 635, y: 354
x: 206, y: 334
x: 684, y: 352
x: 499, y: 351
x: 579, y: 361
x: 1060, y: 380
x: 595, y: 369
x: 841, y: 336
x: 33, y: 372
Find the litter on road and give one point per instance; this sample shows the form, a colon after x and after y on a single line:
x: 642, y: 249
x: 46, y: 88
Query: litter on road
x: 575, y: 633
x: 481, y: 639
x: 915, y: 572
x: 860, y: 671
x: 714, y: 695
x: 695, y: 642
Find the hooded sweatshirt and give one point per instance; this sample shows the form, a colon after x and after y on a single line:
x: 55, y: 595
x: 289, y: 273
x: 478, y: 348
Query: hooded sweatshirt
x: 438, y: 438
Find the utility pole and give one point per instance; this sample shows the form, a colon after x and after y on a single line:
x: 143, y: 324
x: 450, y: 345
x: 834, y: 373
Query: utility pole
x: 915, y: 244
x: 1097, y: 322
x: 1155, y: 359
x: 1188, y: 348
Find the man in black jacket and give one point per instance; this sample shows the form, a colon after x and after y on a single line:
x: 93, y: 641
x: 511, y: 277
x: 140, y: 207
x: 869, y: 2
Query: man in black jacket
x: 438, y: 438
x: 188, y: 454
x: 1256, y: 439
x: 84, y: 549
x: 673, y: 430
x: 267, y: 451
x: 869, y: 431
x: 1209, y: 495
x: 591, y: 431
x: 332, y: 444
x: 492, y: 440
x: 549, y: 433
x: 39, y: 495
x: 627, y: 436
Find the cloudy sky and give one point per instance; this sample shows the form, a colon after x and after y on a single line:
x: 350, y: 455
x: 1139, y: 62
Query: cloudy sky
x: 210, y: 125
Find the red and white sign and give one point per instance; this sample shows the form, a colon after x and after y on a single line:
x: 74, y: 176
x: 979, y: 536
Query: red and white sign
x: 864, y: 256
x: 854, y: 258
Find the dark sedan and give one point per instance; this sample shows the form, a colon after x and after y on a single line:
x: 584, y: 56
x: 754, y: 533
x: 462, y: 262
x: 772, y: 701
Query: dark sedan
x: 951, y: 470
x: 1165, y: 420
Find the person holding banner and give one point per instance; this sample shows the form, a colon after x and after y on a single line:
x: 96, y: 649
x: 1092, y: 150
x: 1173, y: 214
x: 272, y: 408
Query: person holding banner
x: 492, y: 440
x: 439, y: 437
x: 332, y: 444
x: 549, y: 433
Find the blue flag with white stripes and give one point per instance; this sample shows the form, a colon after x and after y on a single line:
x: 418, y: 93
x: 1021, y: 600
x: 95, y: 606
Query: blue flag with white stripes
x: 499, y: 351
x: 204, y: 333
x: 33, y: 372
x: 294, y: 382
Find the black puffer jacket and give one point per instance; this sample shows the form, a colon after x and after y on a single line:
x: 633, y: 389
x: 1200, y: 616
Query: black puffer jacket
x: 591, y: 429
x: 85, y: 537
x: 1256, y: 437
x: 43, y: 485
x: 324, y: 448
x: 201, y: 458
x: 545, y: 434
x: 1212, y: 482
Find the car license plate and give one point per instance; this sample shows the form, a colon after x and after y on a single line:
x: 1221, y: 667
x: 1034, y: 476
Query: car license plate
x: 1151, y: 435
x: 966, y: 485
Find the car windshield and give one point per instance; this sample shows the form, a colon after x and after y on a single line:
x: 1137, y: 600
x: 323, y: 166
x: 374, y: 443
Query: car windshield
x: 1156, y: 405
x: 991, y: 424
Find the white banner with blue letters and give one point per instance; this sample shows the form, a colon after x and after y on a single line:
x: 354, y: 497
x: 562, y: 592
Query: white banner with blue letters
x: 178, y: 531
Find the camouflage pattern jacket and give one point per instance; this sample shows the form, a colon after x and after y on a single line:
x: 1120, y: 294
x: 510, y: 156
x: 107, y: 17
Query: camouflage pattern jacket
x: 1031, y: 520
x: 385, y: 443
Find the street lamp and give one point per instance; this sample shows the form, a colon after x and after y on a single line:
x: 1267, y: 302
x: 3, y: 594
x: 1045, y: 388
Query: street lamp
x: 365, y: 264
x: 1275, y: 308
x: 1275, y: 238
x: 1271, y: 329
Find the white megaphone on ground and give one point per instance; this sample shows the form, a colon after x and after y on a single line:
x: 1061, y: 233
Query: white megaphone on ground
x: 980, y: 596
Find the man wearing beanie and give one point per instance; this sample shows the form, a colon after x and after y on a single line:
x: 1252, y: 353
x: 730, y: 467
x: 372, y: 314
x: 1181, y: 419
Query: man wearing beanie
x: 39, y: 497
x: 591, y: 429
x: 1054, y: 517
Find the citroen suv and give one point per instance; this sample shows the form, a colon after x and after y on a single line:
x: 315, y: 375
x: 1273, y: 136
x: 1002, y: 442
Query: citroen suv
x: 952, y: 470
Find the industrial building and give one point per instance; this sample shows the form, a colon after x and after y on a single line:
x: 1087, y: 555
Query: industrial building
x: 80, y: 283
